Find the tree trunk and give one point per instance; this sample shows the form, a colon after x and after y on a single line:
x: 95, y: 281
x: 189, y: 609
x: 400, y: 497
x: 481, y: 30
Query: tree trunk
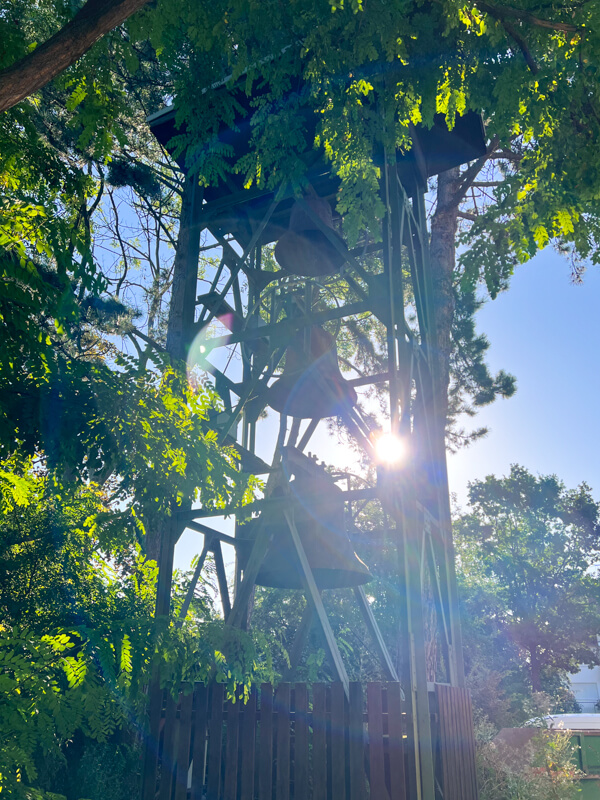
x: 161, y: 534
x: 185, y: 274
x: 535, y: 670
x: 35, y: 70
x: 442, y: 253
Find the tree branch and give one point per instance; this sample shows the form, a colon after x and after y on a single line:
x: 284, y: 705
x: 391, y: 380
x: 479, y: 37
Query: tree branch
x: 473, y: 171
x: 506, y: 155
x: 523, y: 46
x: 35, y: 70
x: 502, y: 12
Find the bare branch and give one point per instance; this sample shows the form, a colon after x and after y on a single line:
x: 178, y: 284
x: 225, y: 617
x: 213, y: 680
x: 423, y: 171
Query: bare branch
x: 121, y: 244
x: 473, y: 171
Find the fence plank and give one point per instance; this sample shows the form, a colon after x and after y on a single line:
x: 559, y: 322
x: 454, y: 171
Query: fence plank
x: 324, y: 760
x: 463, y: 764
x: 458, y: 715
x: 456, y: 743
x: 445, y: 743
x: 152, y: 740
x: 452, y: 744
x: 248, y: 748
x: 199, y: 746
x: 338, y: 742
x: 376, y: 760
x: 319, y: 763
x: 265, y: 769
x: 356, y: 744
x: 282, y: 707
x: 168, y: 749
x: 301, y: 742
x: 231, y: 751
x: 183, y: 748
x: 451, y: 787
x: 396, y: 743
x: 469, y: 744
x: 472, y: 752
x: 215, y: 743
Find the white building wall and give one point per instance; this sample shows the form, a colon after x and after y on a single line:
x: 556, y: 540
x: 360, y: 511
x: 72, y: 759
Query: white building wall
x: 585, y: 685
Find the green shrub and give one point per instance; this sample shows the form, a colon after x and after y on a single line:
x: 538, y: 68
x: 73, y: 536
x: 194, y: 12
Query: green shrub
x: 544, y: 770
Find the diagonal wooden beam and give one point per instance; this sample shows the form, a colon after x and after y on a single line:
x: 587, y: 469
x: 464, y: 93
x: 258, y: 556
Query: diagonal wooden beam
x: 192, y: 587
x: 373, y: 628
x: 314, y: 598
x: 222, y: 578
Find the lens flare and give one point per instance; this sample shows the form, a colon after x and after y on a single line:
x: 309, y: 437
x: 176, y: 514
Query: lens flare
x: 390, y: 449
x: 201, y: 348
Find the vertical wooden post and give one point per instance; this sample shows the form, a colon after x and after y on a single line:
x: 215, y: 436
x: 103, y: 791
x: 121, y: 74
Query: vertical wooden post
x: 215, y: 744
x: 249, y: 748
x: 231, y: 750
x: 376, y: 762
x: 183, y: 748
x: 282, y: 772
x: 396, y: 729
x: 265, y: 767
x: 338, y: 742
x: 319, y: 743
x: 199, y: 752
x: 301, y: 749
x: 357, y: 743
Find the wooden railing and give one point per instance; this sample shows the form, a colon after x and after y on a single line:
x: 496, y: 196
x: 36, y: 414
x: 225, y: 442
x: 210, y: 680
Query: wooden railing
x: 301, y: 742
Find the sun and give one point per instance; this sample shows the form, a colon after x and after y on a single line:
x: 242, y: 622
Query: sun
x: 390, y: 449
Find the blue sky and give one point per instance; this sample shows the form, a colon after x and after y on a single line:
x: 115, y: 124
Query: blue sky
x: 546, y: 331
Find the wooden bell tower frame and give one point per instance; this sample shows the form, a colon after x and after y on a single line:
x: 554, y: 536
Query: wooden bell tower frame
x: 414, y: 496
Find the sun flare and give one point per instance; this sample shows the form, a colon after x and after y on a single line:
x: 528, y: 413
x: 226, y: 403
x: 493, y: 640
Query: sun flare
x: 390, y: 449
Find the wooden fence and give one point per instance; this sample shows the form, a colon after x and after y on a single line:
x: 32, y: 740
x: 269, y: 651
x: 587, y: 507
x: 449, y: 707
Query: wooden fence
x: 456, y: 742
x: 299, y: 742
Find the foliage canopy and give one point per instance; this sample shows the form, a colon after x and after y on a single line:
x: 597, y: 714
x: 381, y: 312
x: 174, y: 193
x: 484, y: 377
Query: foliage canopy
x: 527, y: 551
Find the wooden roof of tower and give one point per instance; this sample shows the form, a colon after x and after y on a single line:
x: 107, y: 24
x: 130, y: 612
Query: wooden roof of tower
x: 235, y: 210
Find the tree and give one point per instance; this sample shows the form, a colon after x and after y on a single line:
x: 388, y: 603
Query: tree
x: 528, y: 72
x: 64, y: 48
x: 130, y: 420
x: 99, y: 448
x: 525, y: 70
x: 529, y: 546
x: 77, y: 637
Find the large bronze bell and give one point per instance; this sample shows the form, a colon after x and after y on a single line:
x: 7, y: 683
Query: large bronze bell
x: 318, y: 507
x: 304, y: 249
x: 311, y: 386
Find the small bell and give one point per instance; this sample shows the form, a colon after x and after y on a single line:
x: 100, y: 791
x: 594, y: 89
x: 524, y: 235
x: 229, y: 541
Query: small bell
x: 304, y: 249
x: 311, y: 386
x: 318, y: 506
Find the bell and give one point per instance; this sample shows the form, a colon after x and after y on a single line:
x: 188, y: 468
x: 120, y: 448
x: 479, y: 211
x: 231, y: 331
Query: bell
x: 304, y: 249
x: 311, y: 386
x: 320, y: 526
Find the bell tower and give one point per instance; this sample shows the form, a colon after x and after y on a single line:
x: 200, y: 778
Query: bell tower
x: 283, y: 284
